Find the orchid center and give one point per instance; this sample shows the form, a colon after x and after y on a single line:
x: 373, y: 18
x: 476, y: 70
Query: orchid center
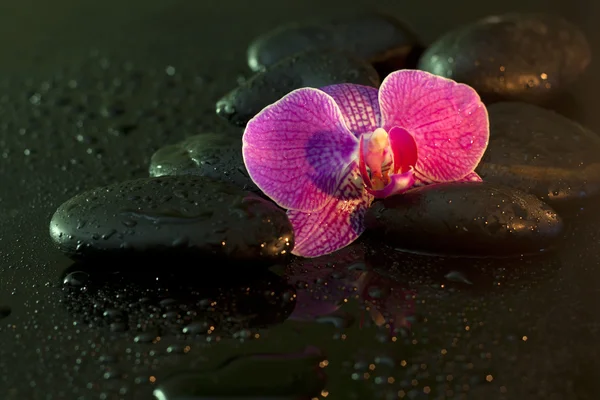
x: 387, y: 159
x: 378, y: 157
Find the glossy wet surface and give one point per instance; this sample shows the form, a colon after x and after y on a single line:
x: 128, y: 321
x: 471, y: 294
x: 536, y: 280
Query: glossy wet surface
x: 88, y: 93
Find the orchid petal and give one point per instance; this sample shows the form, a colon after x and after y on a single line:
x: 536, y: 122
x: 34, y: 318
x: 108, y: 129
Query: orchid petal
x: 359, y: 105
x: 421, y: 180
x: 404, y: 149
x: 447, y: 120
x: 296, y: 150
x: 337, y: 224
x: 471, y: 177
x: 399, y: 183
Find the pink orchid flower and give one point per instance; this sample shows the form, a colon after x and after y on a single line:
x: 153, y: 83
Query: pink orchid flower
x: 325, y: 154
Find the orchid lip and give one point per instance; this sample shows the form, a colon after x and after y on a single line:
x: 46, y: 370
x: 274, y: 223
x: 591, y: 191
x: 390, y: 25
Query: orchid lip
x: 399, y: 183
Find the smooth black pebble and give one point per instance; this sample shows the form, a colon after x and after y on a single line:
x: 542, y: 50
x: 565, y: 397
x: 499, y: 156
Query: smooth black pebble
x: 541, y: 152
x: 465, y: 219
x: 308, y: 69
x: 217, y: 156
x: 174, y: 215
x: 253, y: 377
x: 527, y: 57
x: 379, y: 39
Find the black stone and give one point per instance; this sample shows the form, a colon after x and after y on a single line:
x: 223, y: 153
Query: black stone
x: 309, y: 69
x: 217, y: 156
x: 528, y: 57
x: 541, y: 152
x: 380, y: 39
x: 172, y: 216
x: 470, y: 219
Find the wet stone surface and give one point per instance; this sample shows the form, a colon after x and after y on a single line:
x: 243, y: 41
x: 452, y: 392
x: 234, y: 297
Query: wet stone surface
x: 308, y: 69
x: 528, y: 57
x: 377, y: 38
x: 472, y: 219
x: 541, y: 152
x: 172, y: 216
x: 215, y: 155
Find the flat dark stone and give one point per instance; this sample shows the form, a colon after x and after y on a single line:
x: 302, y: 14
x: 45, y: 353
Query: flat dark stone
x: 173, y: 216
x: 471, y: 219
x: 541, y: 152
x: 217, y: 156
x: 309, y: 69
x: 377, y: 38
x: 529, y: 57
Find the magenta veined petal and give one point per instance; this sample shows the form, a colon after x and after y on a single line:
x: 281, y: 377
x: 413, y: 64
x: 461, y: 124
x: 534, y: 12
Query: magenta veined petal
x: 359, y: 105
x: 404, y: 149
x: 337, y: 224
x: 399, y: 183
x: 296, y: 150
x: 472, y: 176
x: 447, y: 120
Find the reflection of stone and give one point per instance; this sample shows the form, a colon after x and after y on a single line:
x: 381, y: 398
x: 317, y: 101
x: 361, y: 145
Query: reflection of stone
x: 388, y: 302
x: 458, y: 274
x: 157, y: 302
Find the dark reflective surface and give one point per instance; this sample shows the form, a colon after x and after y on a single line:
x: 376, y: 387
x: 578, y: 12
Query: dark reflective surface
x: 89, y: 91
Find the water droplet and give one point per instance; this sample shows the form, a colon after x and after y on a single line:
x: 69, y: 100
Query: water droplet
x: 76, y: 279
x: 107, y: 359
x: 176, y: 349
x: 375, y: 292
x: 196, y: 328
x: 114, y: 314
x: 145, y: 337
x: 456, y: 276
x: 339, y: 320
x: 358, y: 267
x: 118, y: 327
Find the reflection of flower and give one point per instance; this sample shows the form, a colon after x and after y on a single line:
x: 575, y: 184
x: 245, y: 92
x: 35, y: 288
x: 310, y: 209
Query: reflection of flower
x: 324, y: 154
x: 323, y: 285
x: 387, y: 302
